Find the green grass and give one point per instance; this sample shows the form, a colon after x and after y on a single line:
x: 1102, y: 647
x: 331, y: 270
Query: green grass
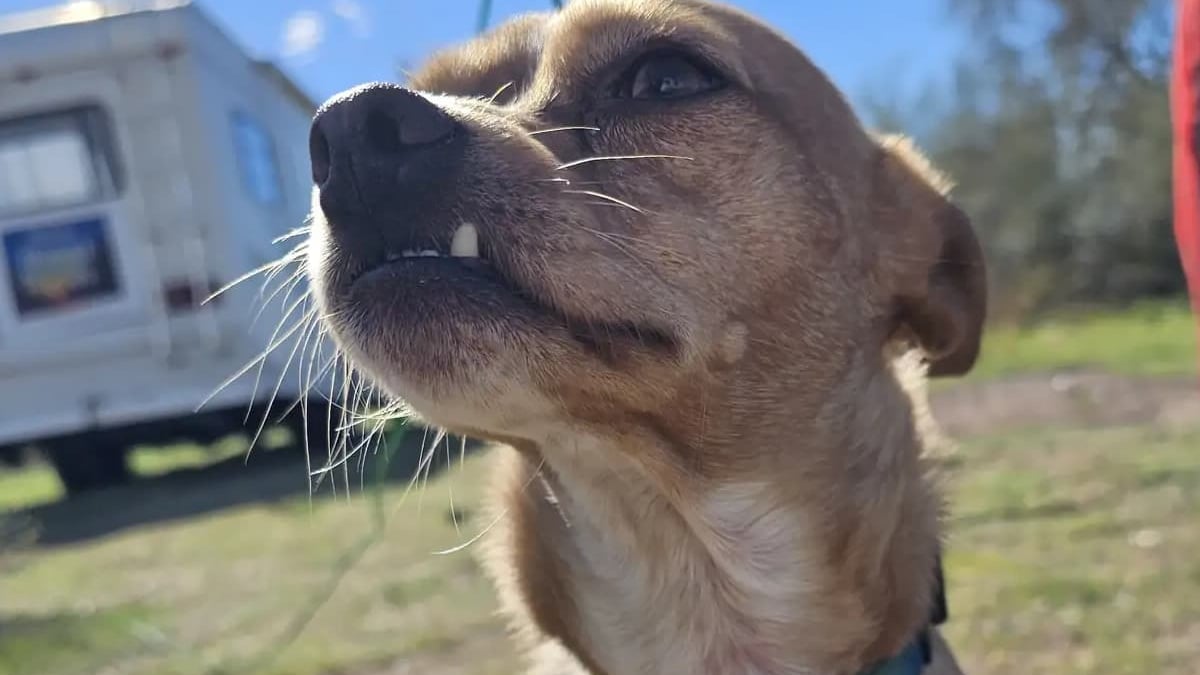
x: 1077, y: 552
x: 1149, y: 339
x: 146, y: 461
x: 26, y: 487
x: 1071, y: 552
x: 225, y: 593
x: 58, y: 643
x: 20, y: 489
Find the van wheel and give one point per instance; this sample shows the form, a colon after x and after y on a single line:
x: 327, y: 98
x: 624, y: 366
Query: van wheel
x: 11, y: 456
x: 88, y: 464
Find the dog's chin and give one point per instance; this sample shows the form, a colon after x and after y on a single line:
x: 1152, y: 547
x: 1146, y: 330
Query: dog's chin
x: 465, y: 347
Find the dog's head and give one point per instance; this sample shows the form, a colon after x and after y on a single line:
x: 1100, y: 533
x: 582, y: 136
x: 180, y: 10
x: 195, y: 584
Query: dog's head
x: 597, y: 211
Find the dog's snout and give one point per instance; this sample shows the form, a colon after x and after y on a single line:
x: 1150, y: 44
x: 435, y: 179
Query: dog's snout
x: 378, y: 143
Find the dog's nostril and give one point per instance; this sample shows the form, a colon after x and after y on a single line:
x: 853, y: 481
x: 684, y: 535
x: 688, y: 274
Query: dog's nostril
x: 319, y: 156
x: 383, y: 132
x: 374, y: 145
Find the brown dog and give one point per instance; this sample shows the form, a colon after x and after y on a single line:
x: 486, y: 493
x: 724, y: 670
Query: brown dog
x: 647, y: 245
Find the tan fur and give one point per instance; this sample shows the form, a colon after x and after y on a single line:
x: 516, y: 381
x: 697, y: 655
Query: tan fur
x: 745, y: 493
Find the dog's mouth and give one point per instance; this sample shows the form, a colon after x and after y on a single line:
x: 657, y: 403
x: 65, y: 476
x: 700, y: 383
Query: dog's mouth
x: 464, y: 247
x: 465, y: 279
x: 443, y: 248
x: 462, y: 254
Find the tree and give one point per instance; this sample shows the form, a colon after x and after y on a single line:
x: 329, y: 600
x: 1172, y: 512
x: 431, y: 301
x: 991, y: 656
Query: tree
x: 1056, y: 128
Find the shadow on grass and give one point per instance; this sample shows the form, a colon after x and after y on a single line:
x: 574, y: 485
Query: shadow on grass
x: 72, y: 642
x: 265, y: 477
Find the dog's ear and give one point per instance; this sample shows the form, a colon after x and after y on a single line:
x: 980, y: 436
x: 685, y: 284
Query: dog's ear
x: 930, y: 261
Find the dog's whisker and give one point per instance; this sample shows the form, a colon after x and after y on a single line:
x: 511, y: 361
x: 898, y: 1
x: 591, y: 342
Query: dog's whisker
x: 437, y: 439
x: 641, y: 243
x: 311, y: 325
x: 306, y: 444
x: 296, y: 259
x: 288, y: 311
x: 388, y: 413
x: 252, y: 363
x: 338, y: 458
x: 623, y: 249
x: 361, y: 400
x: 500, y: 91
x: 303, y: 401
x: 287, y: 287
x: 282, y: 261
x: 425, y: 457
x: 450, y: 492
x: 539, y: 132
x: 613, y: 158
x: 374, y: 439
x: 298, y: 255
x: 588, y: 202
x: 339, y: 434
x: 345, y: 457
x: 607, y: 198
x: 536, y: 473
x: 292, y: 234
x: 311, y: 376
x: 307, y: 361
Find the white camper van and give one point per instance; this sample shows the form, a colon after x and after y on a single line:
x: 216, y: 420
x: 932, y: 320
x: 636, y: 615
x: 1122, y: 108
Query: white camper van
x: 145, y: 160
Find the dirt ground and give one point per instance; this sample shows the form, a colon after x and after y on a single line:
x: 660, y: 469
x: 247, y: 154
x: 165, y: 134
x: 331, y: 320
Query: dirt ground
x: 1065, y: 399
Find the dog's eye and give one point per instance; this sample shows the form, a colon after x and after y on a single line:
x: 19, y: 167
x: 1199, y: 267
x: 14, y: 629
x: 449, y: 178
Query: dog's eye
x: 666, y: 76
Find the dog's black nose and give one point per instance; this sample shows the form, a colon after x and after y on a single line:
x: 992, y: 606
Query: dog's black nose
x: 375, y: 146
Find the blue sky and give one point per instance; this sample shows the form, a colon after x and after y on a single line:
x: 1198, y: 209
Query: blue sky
x: 328, y: 45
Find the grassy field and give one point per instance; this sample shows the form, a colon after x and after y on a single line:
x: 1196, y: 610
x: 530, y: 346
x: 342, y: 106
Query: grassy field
x: 1152, y: 338
x: 228, y: 593
x: 1071, y: 551
x: 1077, y: 552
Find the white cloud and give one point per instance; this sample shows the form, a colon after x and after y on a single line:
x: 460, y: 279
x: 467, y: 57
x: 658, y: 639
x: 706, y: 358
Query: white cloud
x: 302, y: 33
x: 353, y: 13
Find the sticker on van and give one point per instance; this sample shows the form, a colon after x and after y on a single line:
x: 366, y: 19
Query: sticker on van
x: 59, y: 266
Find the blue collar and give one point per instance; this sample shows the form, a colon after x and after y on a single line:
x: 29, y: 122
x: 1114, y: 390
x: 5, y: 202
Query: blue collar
x: 910, y: 661
x: 919, y: 653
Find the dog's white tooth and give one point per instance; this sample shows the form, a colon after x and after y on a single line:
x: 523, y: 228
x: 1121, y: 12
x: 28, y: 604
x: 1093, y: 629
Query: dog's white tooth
x: 465, y: 243
x: 408, y: 253
x: 430, y: 253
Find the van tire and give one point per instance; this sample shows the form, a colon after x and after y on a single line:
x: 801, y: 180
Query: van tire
x: 12, y: 456
x: 87, y: 464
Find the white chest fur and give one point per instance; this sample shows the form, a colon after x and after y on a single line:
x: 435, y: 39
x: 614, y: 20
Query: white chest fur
x: 716, y: 588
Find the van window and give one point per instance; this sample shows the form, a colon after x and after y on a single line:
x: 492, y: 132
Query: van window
x: 53, y: 267
x: 55, y: 160
x: 256, y: 156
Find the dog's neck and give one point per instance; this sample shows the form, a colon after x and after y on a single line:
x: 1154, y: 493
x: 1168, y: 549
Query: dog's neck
x: 814, y: 553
